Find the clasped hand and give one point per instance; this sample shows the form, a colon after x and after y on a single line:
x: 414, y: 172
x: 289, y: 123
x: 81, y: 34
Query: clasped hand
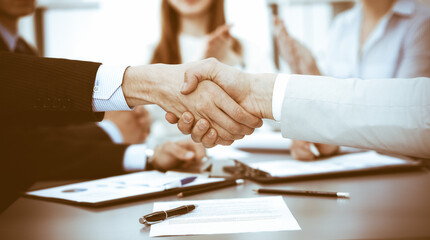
x: 224, y: 106
x: 243, y: 92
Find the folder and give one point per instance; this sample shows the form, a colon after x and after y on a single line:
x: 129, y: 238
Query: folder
x: 282, y: 170
x: 119, y: 189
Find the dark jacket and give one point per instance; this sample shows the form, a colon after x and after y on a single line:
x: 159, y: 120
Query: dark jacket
x: 46, y: 107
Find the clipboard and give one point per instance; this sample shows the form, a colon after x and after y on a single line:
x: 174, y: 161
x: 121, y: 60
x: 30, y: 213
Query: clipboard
x: 118, y: 189
x: 284, y: 170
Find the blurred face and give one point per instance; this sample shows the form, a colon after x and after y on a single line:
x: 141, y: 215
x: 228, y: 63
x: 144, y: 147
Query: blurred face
x: 191, y: 7
x: 17, y: 8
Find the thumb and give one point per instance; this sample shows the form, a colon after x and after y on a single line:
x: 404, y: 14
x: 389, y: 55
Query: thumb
x: 197, y: 73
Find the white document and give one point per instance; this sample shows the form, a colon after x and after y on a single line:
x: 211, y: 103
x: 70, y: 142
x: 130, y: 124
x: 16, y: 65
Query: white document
x: 263, y: 140
x: 227, y: 216
x: 117, y: 187
x: 226, y: 152
x: 352, y: 161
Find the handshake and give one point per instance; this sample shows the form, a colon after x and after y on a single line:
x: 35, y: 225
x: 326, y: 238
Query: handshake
x: 215, y: 103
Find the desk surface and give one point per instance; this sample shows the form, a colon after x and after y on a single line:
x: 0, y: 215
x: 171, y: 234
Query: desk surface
x: 395, y: 205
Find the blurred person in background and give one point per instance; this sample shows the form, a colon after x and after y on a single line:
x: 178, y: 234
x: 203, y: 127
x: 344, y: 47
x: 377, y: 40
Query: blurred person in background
x: 192, y: 30
x: 376, y: 39
x: 110, y: 147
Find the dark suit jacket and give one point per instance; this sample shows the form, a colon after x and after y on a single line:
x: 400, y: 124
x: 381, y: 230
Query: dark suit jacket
x: 39, y: 100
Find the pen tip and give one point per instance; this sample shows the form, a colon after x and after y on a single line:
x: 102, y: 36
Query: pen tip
x: 239, y: 181
x: 343, y: 195
x: 255, y: 190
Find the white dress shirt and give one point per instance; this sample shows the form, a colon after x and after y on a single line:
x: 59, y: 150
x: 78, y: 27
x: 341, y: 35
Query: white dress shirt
x: 9, y: 38
x: 391, y: 115
x: 398, y: 47
x: 108, y: 96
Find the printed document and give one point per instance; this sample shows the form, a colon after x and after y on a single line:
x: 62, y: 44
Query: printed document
x: 226, y: 216
x: 117, y: 187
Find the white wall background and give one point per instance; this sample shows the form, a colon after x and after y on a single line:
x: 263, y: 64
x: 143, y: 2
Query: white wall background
x: 121, y: 31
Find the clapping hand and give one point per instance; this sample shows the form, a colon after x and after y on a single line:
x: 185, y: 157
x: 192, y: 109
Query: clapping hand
x: 298, y: 57
x: 220, y: 45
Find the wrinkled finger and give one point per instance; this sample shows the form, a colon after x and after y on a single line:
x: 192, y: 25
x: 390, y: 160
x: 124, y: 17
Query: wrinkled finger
x: 223, y: 133
x: 171, y: 118
x: 234, y: 111
x: 199, y: 130
x: 186, y: 122
x: 223, y: 142
x: 209, y: 139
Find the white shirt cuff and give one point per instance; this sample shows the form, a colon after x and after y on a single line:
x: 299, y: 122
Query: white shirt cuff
x: 112, y: 130
x: 279, y: 89
x: 135, y: 158
x: 107, y: 92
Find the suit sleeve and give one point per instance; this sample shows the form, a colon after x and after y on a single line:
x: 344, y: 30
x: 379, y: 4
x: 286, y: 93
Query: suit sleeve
x: 391, y: 115
x: 49, y: 91
x: 59, y: 153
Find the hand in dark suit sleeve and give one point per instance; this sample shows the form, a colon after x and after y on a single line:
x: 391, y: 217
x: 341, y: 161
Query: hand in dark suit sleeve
x: 30, y: 154
x: 46, y: 90
x: 54, y: 153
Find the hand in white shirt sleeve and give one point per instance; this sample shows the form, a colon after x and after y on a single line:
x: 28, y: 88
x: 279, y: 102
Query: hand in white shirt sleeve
x: 107, y: 92
x: 278, y: 95
x: 135, y: 158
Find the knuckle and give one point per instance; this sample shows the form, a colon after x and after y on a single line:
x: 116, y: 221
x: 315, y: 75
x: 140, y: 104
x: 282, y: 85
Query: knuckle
x: 240, y: 137
x: 212, y: 61
x: 208, y: 145
x: 207, y: 142
x: 235, y: 129
x: 195, y: 138
x: 226, y: 135
x: 239, y: 114
x: 183, y: 129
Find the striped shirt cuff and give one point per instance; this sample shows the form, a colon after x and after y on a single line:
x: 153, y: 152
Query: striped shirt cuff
x: 107, y: 92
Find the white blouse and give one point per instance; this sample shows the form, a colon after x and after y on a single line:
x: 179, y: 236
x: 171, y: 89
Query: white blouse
x: 399, y: 46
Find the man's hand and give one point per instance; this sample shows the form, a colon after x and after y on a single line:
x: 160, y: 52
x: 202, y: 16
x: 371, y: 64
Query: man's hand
x: 160, y: 84
x: 298, y: 57
x: 134, y: 125
x: 252, y: 91
x: 301, y: 150
x: 180, y: 154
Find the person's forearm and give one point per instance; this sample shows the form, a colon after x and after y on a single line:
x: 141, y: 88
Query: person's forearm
x: 261, y: 92
x: 138, y: 87
x: 381, y: 114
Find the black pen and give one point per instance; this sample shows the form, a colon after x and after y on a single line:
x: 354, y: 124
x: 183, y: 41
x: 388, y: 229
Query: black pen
x: 303, y: 192
x: 216, y: 185
x: 159, y: 216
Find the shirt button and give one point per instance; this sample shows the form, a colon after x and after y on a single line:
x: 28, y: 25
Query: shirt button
x: 96, y: 89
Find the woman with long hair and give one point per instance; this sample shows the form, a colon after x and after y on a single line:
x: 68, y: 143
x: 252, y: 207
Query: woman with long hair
x: 193, y: 30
